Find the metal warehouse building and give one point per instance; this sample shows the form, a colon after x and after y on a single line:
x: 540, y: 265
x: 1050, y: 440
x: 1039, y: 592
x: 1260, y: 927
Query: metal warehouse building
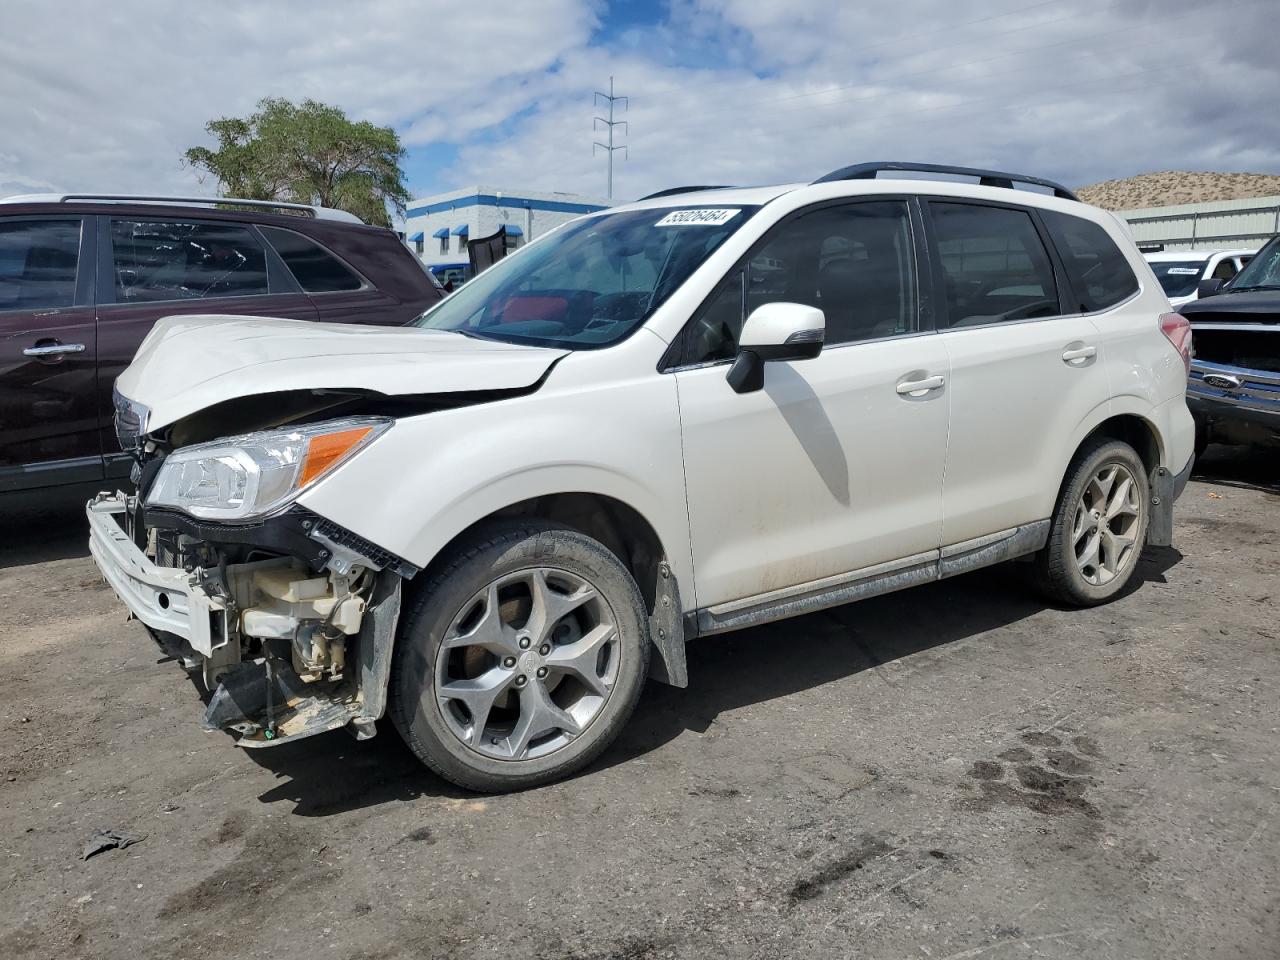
x: 438, y: 227
x: 1219, y: 223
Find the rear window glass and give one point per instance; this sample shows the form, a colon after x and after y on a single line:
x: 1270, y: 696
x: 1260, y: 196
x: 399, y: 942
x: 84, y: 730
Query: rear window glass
x: 314, y: 267
x: 1099, y: 272
x: 157, y: 260
x: 995, y: 268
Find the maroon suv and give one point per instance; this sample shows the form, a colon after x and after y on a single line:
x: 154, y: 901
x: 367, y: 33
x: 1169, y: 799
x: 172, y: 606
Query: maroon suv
x: 83, y: 278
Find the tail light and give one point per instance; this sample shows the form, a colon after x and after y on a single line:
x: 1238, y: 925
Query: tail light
x: 1177, y: 330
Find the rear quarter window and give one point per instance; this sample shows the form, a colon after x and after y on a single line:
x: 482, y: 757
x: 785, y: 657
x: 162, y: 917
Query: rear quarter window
x: 314, y: 267
x: 1100, y: 274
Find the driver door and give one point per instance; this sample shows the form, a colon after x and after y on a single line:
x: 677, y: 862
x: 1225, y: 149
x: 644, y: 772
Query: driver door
x: 835, y: 466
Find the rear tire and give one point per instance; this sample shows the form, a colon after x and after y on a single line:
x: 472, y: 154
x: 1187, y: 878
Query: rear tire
x: 522, y: 658
x: 1098, y: 527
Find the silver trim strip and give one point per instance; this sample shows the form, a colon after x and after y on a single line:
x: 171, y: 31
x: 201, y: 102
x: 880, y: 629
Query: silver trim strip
x: 874, y: 580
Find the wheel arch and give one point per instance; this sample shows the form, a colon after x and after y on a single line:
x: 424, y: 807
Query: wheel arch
x: 1134, y: 430
x: 1131, y: 426
x: 626, y: 533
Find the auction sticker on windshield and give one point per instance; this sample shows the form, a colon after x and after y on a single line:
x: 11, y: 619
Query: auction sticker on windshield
x: 697, y: 218
x: 1185, y: 271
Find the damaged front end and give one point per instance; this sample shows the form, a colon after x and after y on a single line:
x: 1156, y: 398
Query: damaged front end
x: 285, y: 618
x: 288, y: 623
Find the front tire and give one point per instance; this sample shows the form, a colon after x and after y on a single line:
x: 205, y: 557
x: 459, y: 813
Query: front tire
x: 521, y: 660
x: 1098, y: 528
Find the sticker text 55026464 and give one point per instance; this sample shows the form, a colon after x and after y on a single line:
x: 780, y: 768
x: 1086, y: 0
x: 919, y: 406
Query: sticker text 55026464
x: 697, y: 218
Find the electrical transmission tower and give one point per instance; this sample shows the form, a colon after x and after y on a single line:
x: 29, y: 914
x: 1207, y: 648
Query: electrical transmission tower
x: 609, y: 123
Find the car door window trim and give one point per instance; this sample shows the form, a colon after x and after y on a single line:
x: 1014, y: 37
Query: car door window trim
x: 674, y: 360
x: 82, y: 291
x: 365, y: 283
x: 106, y: 260
x: 1060, y: 279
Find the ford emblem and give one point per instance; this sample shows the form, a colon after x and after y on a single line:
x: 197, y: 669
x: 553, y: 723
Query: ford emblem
x: 1221, y: 381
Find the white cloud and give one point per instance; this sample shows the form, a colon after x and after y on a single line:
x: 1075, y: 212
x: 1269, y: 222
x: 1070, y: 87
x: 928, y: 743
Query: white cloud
x: 722, y: 91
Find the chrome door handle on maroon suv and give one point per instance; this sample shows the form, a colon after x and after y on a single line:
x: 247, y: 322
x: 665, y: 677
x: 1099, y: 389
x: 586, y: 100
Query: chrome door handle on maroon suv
x: 52, y: 349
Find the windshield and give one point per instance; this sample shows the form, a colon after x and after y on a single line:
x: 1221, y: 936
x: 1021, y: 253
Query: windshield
x: 1178, y: 277
x: 591, y: 282
x: 1262, y: 272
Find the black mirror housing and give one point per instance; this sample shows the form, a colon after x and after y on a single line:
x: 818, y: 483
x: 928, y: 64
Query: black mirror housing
x: 1208, y: 287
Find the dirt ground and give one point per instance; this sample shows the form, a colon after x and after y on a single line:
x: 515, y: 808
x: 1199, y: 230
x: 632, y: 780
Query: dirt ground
x: 956, y: 771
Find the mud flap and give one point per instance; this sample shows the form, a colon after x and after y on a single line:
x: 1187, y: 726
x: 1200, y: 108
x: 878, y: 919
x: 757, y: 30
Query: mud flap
x: 666, y: 631
x: 1165, y: 490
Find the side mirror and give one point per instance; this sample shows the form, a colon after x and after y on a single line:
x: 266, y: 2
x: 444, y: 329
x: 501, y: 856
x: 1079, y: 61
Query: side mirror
x: 775, y: 331
x: 1208, y: 286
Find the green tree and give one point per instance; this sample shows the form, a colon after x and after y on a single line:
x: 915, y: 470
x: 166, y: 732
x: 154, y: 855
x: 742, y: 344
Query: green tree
x: 308, y: 153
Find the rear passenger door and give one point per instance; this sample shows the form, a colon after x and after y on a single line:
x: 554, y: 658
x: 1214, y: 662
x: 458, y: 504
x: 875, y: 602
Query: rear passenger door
x: 153, y: 267
x: 48, y: 400
x: 1025, y: 365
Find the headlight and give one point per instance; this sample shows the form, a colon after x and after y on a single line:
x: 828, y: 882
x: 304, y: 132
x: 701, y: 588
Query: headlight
x: 244, y: 477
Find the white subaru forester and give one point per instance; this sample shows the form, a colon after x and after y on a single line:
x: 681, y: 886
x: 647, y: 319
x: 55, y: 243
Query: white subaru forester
x: 706, y: 410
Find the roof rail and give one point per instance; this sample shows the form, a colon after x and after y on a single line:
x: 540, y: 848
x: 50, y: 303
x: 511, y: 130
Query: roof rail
x: 318, y: 213
x: 988, y: 178
x: 673, y: 191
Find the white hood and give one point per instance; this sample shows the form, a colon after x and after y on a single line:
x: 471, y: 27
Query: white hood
x: 191, y: 362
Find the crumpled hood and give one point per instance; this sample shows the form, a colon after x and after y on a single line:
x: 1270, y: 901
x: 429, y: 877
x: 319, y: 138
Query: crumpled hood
x: 189, y: 363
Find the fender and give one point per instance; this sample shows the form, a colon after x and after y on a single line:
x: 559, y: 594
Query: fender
x: 433, y: 476
x: 1166, y: 480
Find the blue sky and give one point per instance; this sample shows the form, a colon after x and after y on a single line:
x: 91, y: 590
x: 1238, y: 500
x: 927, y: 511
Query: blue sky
x: 721, y: 91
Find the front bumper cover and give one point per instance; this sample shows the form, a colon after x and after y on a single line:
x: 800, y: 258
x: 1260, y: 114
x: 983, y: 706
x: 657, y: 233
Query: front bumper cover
x: 167, y: 599
x: 262, y: 700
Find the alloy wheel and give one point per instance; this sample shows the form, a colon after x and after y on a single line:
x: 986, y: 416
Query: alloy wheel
x: 1107, y: 520
x: 527, y: 664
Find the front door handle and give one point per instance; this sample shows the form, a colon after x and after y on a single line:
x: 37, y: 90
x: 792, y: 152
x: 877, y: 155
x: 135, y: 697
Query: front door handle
x: 918, y: 388
x: 52, y: 348
x: 1076, y: 356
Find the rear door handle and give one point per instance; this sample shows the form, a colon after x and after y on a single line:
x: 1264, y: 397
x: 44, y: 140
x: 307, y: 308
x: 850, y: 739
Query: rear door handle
x: 918, y: 388
x: 1076, y: 355
x: 52, y: 349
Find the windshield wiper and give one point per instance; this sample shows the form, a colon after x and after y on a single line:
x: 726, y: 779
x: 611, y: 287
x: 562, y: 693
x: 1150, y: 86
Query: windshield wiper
x: 473, y: 335
x: 1249, y: 288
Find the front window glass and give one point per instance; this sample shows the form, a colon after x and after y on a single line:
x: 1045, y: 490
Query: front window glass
x: 855, y: 262
x: 38, y: 263
x: 1178, y: 278
x: 591, y: 282
x: 1262, y: 272
x: 1225, y: 269
x: 157, y: 260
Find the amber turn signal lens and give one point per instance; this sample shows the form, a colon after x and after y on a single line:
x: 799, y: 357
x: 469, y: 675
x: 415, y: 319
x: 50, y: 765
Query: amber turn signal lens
x: 326, y: 450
